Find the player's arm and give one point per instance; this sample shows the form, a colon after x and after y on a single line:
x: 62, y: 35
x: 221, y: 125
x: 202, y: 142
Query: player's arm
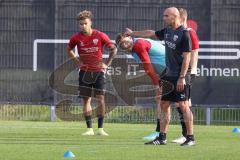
x: 185, y: 64
x: 142, y: 53
x: 112, y: 49
x: 151, y: 73
x: 70, y: 52
x: 186, y: 47
x: 155, y: 79
x: 144, y: 34
x: 149, y: 69
x: 195, y: 48
x: 112, y: 53
x: 194, y: 60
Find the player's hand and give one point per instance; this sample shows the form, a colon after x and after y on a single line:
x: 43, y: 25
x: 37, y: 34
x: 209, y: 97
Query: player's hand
x: 180, y: 84
x: 76, y: 62
x: 104, y: 67
x: 128, y: 32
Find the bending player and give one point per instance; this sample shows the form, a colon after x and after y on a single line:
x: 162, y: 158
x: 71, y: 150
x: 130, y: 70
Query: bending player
x: 152, y: 55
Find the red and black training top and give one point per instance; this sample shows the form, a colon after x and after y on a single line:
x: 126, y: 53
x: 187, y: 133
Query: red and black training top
x: 90, y: 49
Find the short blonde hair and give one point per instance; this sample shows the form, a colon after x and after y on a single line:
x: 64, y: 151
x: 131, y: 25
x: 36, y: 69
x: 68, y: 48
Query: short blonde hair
x: 84, y: 15
x: 183, y: 13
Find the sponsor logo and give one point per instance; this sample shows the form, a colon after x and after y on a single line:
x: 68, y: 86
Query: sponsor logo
x: 217, y: 72
x: 91, y: 49
x: 81, y: 43
x: 171, y: 45
x: 175, y: 37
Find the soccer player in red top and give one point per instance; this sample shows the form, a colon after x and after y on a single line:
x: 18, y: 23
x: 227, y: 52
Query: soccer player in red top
x: 152, y: 55
x: 193, y: 64
x: 90, y: 44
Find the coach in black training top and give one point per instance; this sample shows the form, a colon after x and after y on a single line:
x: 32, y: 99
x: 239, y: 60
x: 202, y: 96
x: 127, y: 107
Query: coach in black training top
x: 176, y: 42
x: 178, y: 50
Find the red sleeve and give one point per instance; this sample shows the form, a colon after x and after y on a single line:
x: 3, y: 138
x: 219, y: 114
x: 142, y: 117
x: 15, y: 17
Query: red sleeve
x: 141, y: 48
x: 194, y: 39
x: 105, y: 40
x: 72, y: 42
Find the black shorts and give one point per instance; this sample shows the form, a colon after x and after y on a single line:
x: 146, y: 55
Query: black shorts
x: 91, y: 82
x: 176, y: 96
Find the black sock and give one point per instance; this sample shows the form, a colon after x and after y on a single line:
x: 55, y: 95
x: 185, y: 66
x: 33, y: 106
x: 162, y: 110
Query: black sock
x: 162, y: 136
x: 184, y: 128
x: 88, y: 120
x: 100, y: 121
x: 158, y: 125
x: 190, y: 137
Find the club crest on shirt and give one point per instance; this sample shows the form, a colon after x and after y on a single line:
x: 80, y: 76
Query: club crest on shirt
x: 81, y: 43
x: 95, y: 41
x: 175, y: 37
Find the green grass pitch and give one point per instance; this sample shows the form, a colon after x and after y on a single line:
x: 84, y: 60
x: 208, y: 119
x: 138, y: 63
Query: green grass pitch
x: 24, y: 140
